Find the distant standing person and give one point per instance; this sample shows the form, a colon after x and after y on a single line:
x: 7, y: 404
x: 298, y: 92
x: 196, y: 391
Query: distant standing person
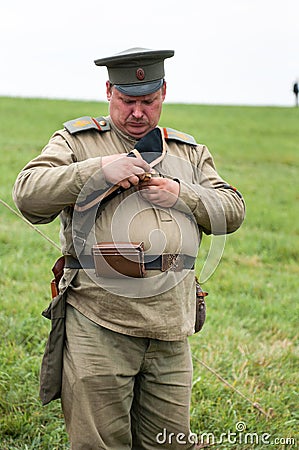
x: 296, y: 90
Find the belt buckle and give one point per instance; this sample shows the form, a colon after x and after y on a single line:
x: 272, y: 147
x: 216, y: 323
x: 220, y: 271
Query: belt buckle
x: 173, y: 262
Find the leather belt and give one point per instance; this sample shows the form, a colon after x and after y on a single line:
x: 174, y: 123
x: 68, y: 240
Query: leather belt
x: 168, y: 261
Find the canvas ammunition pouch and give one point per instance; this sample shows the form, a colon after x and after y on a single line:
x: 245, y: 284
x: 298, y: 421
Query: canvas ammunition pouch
x: 52, y: 361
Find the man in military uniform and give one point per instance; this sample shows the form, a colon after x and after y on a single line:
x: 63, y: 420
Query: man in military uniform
x: 127, y: 369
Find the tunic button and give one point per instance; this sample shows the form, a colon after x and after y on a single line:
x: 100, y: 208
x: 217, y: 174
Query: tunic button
x: 102, y: 123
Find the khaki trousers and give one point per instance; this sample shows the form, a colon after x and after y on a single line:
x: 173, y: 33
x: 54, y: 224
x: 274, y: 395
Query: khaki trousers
x: 121, y: 392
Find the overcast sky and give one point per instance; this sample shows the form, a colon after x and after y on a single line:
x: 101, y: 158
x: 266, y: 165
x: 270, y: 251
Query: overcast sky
x: 226, y: 51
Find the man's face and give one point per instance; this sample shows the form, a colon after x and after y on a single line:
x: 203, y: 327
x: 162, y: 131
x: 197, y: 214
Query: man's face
x: 135, y: 116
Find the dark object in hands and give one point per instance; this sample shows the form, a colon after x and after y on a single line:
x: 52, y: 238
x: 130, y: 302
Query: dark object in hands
x: 150, y: 146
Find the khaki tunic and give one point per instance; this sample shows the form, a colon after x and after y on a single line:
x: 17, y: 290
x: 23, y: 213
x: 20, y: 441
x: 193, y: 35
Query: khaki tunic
x: 161, y: 305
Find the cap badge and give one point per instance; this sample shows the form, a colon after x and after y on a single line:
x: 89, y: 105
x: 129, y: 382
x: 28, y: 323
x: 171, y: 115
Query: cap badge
x: 140, y: 74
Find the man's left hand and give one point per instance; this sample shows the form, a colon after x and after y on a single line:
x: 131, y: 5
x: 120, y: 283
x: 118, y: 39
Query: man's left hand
x: 160, y: 191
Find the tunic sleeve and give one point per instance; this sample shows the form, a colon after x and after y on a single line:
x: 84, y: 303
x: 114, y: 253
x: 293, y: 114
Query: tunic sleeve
x: 53, y: 180
x: 217, y: 207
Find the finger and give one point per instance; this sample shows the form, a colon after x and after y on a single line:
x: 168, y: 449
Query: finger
x: 145, y: 176
x: 150, y: 195
x: 124, y: 184
x: 136, y: 170
x: 140, y: 162
x: 134, y: 180
x: 149, y: 189
x: 154, y: 181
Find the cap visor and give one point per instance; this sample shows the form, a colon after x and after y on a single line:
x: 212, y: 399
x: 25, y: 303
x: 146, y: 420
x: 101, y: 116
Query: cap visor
x: 139, y: 89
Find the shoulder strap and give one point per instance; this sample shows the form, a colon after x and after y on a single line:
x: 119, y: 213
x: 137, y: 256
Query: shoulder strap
x: 87, y: 123
x: 171, y: 134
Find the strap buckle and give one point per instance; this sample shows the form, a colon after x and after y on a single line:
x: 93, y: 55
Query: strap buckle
x: 173, y: 262
x: 79, y: 243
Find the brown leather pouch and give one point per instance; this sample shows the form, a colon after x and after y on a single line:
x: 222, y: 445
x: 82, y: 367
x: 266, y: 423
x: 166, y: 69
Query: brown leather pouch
x: 200, y: 307
x: 57, y: 270
x: 119, y: 259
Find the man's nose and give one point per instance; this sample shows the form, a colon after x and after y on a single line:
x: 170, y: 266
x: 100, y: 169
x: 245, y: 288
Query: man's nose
x: 137, y: 111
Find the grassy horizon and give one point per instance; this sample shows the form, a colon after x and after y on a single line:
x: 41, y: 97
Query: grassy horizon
x: 251, y: 335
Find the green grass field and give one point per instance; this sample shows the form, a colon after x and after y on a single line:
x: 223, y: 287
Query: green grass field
x: 251, y: 335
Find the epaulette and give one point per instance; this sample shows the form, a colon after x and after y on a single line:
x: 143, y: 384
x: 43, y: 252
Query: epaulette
x: 175, y: 135
x: 87, y: 123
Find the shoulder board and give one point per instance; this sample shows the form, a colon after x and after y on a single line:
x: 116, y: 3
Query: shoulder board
x: 87, y: 123
x: 169, y: 133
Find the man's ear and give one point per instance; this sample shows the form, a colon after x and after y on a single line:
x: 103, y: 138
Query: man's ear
x: 108, y: 90
x: 164, y: 90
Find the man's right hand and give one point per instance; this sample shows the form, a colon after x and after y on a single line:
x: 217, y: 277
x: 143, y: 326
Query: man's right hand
x: 123, y: 171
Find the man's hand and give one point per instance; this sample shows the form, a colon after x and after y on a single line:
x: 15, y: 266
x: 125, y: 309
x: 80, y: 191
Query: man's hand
x: 160, y: 191
x: 123, y: 171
